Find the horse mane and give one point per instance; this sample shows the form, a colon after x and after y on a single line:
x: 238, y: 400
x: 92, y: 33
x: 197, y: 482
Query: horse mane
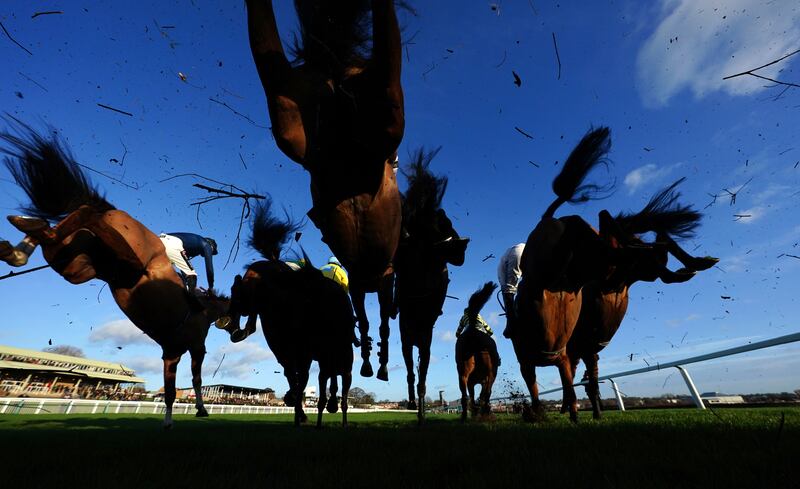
x: 45, y: 169
x: 589, y: 153
x: 425, y: 190
x: 479, y: 299
x: 663, y: 214
x: 268, y: 232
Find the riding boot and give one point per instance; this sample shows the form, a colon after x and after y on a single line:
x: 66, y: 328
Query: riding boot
x: 191, y: 283
x: 511, y: 314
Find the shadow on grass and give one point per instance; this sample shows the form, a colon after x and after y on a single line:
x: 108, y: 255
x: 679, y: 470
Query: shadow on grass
x: 635, y: 449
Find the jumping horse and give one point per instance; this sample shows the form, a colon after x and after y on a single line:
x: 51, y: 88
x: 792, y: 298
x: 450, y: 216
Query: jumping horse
x: 476, y: 358
x: 304, y: 315
x: 605, y: 302
x: 92, y: 239
x: 338, y: 111
x: 561, y: 255
x: 428, y: 243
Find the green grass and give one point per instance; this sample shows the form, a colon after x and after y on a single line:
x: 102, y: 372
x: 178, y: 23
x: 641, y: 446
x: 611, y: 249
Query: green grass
x: 642, y: 449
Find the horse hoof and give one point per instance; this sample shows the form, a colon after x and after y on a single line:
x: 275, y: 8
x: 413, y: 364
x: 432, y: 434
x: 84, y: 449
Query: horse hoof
x: 239, y: 335
x: 411, y: 405
x: 28, y: 224
x: 201, y: 412
x: 383, y: 373
x: 333, y: 405
x: 366, y: 370
x: 704, y: 263
x: 223, y: 322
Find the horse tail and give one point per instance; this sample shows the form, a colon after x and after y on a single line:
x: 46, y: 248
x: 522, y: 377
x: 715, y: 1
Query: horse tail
x: 663, y: 214
x: 425, y: 190
x: 43, y: 166
x: 270, y: 233
x: 333, y: 35
x: 587, y: 155
x: 479, y: 299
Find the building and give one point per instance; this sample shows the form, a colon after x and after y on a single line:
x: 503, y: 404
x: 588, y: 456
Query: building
x: 35, y: 373
x: 717, y: 398
x: 228, y: 394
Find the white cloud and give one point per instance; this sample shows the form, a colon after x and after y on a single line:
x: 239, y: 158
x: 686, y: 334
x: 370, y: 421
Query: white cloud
x: 447, y: 336
x: 120, y: 332
x: 145, y: 365
x: 698, y: 42
x: 241, y: 359
x: 643, y: 175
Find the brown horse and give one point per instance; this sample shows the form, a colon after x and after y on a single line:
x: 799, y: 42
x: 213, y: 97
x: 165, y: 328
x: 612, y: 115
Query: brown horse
x: 561, y: 255
x: 476, y: 356
x: 338, y: 111
x: 94, y: 240
x: 304, y: 316
x: 606, y: 301
x: 428, y: 243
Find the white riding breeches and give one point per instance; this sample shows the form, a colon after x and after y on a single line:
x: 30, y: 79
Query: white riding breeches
x: 177, y: 255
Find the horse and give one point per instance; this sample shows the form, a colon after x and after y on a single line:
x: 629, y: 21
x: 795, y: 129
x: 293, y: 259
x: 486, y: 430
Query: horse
x: 561, y: 255
x: 476, y: 356
x: 304, y: 316
x: 427, y: 244
x: 92, y: 239
x: 338, y: 111
x: 605, y: 302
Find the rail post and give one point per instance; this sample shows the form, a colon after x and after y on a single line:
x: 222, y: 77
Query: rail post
x: 692, y: 389
x: 620, y: 403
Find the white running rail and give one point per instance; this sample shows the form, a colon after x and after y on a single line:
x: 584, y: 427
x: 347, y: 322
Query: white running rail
x: 33, y: 405
x: 679, y: 364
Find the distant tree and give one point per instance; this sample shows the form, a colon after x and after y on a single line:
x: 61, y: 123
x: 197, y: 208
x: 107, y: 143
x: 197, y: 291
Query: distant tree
x: 360, y: 396
x: 70, y: 350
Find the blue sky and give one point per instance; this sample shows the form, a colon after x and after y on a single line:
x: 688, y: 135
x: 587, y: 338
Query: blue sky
x: 652, y: 71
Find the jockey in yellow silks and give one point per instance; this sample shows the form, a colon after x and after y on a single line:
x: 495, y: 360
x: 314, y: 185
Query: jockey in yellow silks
x: 334, y: 271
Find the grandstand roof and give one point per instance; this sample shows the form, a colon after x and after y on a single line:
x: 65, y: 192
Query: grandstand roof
x: 83, y: 367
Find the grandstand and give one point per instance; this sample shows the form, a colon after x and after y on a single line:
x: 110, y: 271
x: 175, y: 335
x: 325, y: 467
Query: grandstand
x: 226, y: 394
x: 32, y: 373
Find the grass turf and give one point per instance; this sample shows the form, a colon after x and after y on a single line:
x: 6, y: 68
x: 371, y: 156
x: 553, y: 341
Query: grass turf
x: 642, y: 449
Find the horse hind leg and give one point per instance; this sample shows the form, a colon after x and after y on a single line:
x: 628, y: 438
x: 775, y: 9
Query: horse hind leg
x: 170, y: 370
x: 357, y: 295
x: 408, y: 358
x: 323, y: 398
x: 536, y: 412
x: 593, y: 387
x: 424, y: 361
x: 333, y: 401
x: 386, y: 300
x: 347, y: 378
x: 569, y: 399
x: 197, y: 384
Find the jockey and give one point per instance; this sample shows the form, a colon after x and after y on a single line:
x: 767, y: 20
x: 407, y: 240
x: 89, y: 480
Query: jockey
x: 481, y: 332
x: 334, y: 271
x: 509, y: 275
x: 182, y: 247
